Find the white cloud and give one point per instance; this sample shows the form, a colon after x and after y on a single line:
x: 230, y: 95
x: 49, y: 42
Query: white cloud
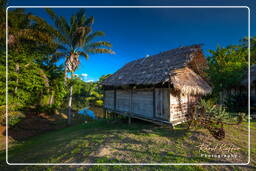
x: 84, y: 75
x: 89, y: 81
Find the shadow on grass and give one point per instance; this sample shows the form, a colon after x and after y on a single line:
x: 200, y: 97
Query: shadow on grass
x: 77, y: 142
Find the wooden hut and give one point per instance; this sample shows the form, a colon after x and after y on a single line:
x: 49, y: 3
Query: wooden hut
x: 158, y: 88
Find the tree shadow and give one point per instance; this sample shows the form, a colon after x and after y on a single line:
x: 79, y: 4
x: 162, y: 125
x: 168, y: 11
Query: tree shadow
x: 34, y: 124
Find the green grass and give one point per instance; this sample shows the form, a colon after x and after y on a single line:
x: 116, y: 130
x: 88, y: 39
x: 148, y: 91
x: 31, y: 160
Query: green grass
x: 104, y: 141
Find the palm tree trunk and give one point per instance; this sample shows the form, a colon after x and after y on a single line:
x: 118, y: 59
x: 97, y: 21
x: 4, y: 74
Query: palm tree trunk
x: 70, y: 103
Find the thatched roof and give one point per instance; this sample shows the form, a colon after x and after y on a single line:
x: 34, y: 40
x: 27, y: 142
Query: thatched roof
x: 188, y: 82
x: 244, y: 82
x: 161, y: 68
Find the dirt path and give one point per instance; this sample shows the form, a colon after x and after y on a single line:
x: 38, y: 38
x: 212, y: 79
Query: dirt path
x: 102, y: 150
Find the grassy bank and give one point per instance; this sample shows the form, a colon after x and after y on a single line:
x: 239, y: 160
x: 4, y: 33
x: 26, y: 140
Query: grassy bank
x: 104, y: 141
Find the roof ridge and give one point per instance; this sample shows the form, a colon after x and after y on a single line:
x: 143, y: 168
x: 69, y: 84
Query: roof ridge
x: 168, y: 51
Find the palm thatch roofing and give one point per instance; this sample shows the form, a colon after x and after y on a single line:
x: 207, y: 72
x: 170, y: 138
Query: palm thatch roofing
x: 171, y: 66
x: 244, y: 82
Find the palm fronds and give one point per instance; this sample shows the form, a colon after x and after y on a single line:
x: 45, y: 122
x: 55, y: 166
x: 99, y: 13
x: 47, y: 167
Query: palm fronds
x: 76, y: 37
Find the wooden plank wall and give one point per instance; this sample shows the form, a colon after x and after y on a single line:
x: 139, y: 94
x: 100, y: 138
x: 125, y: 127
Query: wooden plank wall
x: 162, y: 103
x: 123, y: 100
x: 178, y: 106
x: 109, y: 99
x: 142, y: 102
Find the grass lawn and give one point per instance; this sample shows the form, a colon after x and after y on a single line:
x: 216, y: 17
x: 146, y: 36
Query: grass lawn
x: 102, y: 141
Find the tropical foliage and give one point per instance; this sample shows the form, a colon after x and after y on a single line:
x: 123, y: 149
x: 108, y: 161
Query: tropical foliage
x: 86, y: 93
x: 35, y: 78
x: 208, y: 115
x: 28, y: 44
x: 227, y: 67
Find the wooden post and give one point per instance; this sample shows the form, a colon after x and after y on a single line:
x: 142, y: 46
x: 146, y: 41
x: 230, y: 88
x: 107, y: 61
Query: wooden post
x: 104, y: 113
x: 161, y: 102
x: 154, y: 103
x: 129, y: 119
x: 188, y: 104
x: 114, y: 99
x: 130, y: 110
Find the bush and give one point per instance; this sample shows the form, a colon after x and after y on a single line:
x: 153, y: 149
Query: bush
x: 99, y: 103
x: 212, y: 110
x: 13, y: 116
x: 212, y: 117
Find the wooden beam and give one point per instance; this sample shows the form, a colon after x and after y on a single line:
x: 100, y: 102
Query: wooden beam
x: 188, y: 104
x: 104, y: 98
x: 152, y: 120
x: 154, y: 103
x: 129, y: 119
x: 115, y: 99
x: 130, y: 103
x: 162, y: 101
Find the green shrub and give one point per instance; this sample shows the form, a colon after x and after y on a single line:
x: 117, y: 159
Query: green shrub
x: 212, y: 117
x: 99, y: 103
x: 212, y: 110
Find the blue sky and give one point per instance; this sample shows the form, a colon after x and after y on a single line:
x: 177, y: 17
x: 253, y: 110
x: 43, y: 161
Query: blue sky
x: 135, y: 33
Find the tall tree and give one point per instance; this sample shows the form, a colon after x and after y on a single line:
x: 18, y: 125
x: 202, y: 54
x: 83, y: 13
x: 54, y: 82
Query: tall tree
x: 226, y: 67
x: 244, y: 45
x: 76, y: 39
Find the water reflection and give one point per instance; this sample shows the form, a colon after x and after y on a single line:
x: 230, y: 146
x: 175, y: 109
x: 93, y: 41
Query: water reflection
x: 92, y: 112
x: 87, y: 112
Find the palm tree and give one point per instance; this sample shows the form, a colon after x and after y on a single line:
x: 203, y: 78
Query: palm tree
x: 75, y: 40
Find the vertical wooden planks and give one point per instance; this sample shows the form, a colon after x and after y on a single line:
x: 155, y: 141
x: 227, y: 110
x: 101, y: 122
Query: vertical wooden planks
x: 123, y: 100
x: 109, y: 99
x: 179, y: 106
x: 162, y: 104
x: 142, y: 100
x: 114, y: 99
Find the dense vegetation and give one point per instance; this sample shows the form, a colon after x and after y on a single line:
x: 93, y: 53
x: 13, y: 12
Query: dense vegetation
x: 36, y: 80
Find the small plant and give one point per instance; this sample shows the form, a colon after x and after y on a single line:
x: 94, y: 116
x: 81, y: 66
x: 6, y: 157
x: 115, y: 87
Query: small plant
x: 213, y: 117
